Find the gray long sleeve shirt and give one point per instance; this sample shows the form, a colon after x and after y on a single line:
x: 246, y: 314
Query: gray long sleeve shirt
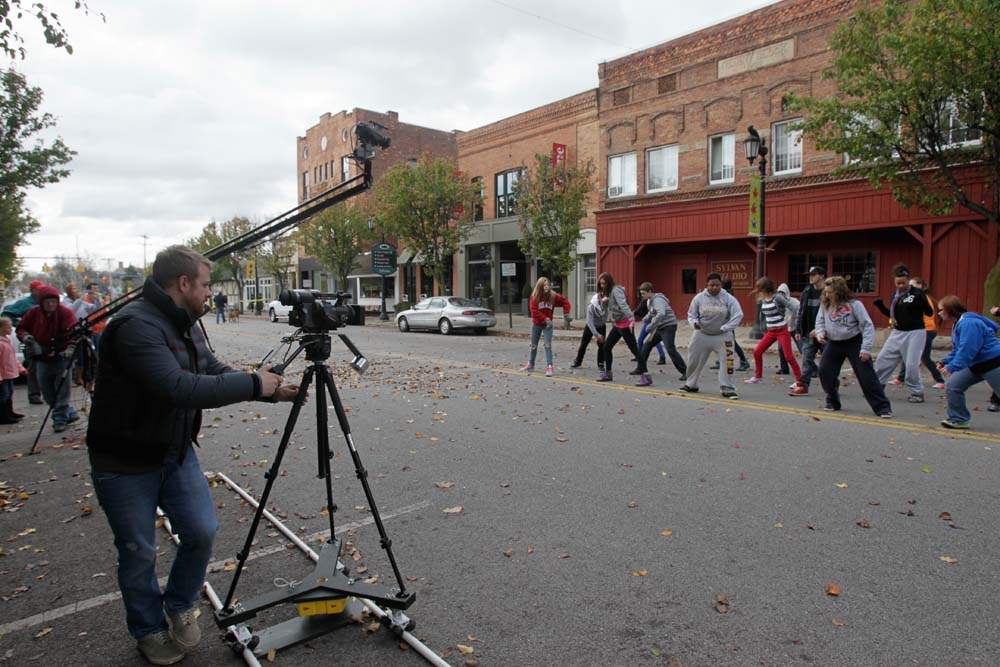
x: 715, y: 314
x: 596, y: 316
x: 845, y: 321
x: 617, y: 306
x: 660, y: 313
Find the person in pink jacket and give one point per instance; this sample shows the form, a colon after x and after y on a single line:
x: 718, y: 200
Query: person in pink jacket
x: 10, y: 369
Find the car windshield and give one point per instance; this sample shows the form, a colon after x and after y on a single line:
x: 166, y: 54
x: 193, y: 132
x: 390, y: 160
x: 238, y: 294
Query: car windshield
x: 462, y: 303
x: 422, y: 305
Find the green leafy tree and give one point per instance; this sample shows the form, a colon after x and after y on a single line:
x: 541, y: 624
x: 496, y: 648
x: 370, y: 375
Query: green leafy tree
x: 428, y: 207
x: 232, y: 266
x: 276, y: 256
x: 552, y: 200
x: 13, y: 12
x: 26, y: 160
x: 917, y: 101
x: 335, y: 237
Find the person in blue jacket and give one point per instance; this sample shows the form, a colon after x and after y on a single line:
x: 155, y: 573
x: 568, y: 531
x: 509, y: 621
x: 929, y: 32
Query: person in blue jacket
x: 975, y: 357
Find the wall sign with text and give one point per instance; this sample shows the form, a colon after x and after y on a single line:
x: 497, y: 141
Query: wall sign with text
x: 740, y: 271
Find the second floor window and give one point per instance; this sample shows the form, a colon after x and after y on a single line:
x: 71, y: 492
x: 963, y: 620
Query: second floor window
x: 345, y: 168
x: 621, y: 175
x: 477, y: 213
x: 506, y: 200
x: 954, y: 131
x: 787, y: 147
x: 661, y: 169
x: 722, y: 159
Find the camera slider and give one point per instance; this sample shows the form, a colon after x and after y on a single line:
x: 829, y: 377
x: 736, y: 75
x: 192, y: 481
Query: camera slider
x: 328, y: 583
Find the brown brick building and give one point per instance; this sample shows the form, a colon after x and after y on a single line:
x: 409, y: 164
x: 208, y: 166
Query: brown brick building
x: 496, y: 154
x: 322, y: 162
x: 674, y: 202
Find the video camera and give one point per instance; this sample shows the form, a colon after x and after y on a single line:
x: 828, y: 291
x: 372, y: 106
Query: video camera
x: 314, y: 312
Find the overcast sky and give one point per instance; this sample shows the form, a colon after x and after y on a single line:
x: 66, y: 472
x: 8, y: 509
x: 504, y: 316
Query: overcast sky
x: 182, y: 112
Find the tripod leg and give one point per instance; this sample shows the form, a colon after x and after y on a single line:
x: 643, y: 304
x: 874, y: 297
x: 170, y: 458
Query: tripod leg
x: 327, y: 378
x: 62, y: 382
x: 270, y: 476
x: 323, y: 452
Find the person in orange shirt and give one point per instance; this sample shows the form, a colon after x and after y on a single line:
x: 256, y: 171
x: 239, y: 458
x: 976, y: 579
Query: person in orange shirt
x: 930, y: 325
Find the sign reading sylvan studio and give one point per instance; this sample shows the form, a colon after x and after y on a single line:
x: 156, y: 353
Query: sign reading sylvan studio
x: 740, y: 271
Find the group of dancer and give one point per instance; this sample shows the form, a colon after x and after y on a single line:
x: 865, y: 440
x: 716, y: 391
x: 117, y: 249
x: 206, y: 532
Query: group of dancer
x: 828, y: 321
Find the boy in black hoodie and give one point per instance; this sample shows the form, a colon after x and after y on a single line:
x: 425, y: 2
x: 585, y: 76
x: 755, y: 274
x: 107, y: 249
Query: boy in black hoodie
x: 906, y: 341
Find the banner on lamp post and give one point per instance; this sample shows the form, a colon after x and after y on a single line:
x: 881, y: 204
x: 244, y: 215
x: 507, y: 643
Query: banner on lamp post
x: 753, y: 228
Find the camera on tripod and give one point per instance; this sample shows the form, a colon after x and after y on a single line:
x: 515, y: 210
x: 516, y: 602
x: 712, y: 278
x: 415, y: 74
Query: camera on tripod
x: 314, y: 312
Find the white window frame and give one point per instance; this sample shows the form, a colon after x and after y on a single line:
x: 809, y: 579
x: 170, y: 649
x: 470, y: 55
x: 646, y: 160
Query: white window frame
x: 794, y: 139
x: 345, y: 168
x: 617, y: 169
x: 727, y: 151
x: 951, y: 109
x: 674, y: 150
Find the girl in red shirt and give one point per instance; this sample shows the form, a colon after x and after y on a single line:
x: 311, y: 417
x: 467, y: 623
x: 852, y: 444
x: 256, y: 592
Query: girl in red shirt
x: 543, y: 304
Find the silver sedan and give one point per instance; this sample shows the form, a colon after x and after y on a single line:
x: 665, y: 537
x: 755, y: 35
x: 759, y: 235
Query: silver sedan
x: 446, y: 313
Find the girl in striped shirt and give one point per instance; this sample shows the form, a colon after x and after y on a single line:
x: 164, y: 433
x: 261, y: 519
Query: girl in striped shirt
x: 773, y: 306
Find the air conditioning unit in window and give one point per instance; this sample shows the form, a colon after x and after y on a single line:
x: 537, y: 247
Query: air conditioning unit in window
x: 615, y: 191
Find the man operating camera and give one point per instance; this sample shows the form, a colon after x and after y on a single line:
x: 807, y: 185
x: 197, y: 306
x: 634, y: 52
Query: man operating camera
x: 155, y: 376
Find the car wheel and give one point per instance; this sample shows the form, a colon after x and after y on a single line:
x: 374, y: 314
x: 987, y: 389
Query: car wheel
x: 272, y: 315
x: 444, y: 326
x: 480, y: 331
x: 403, y: 325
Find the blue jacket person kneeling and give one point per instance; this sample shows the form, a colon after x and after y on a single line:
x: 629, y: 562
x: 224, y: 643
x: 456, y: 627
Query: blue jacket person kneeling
x: 156, y: 374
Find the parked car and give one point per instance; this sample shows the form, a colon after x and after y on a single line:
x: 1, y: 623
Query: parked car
x: 446, y: 314
x: 275, y: 310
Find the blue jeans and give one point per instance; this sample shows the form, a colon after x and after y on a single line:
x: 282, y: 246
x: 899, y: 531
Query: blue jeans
x: 809, y: 348
x: 6, y: 390
x: 129, y: 502
x: 958, y: 383
x: 537, y: 331
x: 642, y: 337
x: 220, y: 315
x: 49, y: 376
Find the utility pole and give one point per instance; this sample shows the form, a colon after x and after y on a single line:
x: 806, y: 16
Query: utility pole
x: 144, y: 239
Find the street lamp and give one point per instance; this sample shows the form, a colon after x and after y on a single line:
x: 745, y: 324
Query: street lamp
x: 383, y: 316
x: 755, y: 148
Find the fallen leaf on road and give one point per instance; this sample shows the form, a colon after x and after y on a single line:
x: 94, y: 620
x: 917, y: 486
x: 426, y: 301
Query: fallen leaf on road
x: 465, y: 649
x: 927, y: 470
x: 561, y: 438
x: 832, y: 589
x: 948, y: 559
x: 632, y: 504
x: 837, y: 622
x: 666, y: 532
x: 640, y: 573
x: 779, y: 525
x: 43, y: 632
x: 563, y: 556
x: 722, y: 604
x: 458, y: 509
x: 444, y: 486
x: 508, y: 552
x: 864, y: 523
x: 840, y: 485
x: 945, y: 516
x: 272, y: 655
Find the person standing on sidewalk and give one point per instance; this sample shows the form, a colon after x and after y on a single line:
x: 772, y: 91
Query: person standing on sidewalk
x: 804, y: 329
x: 975, y: 357
x: 774, y: 307
x: 662, y: 325
x: 930, y: 325
x: 640, y: 313
x: 15, y: 312
x: 714, y: 314
x: 906, y: 340
x: 45, y: 328
x: 156, y: 374
x: 543, y: 304
x: 791, y: 314
x: 845, y: 330
x: 221, y: 301
x: 612, y: 299
x: 596, y: 329
x: 727, y: 285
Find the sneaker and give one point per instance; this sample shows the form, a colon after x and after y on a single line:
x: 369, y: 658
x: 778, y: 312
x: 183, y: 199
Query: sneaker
x: 72, y: 418
x: 549, y: 371
x: 688, y: 390
x: 783, y: 373
x: 527, y: 368
x: 731, y: 395
x: 885, y: 415
x: 939, y: 385
x: 644, y: 380
x: 604, y: 377
x: 575, y: 364
x: 160, y: 649
x: 799, y: 390
x: 635, y: 371
x: 661, y: 362
x: 683, y: 377
x: 896, y: 381
x: 36, y: 400
x: 753, y: 380
x: 954, y: 424
x: 184, y: 628
x: 915, y: 398
x: 832, y: 405
x: 993, y: 407
x: 60, y: 427
x: 714, y: 367
x: 744, y: 367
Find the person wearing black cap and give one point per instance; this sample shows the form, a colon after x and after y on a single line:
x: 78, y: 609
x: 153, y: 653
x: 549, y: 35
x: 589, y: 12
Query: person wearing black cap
x: 805, y: 326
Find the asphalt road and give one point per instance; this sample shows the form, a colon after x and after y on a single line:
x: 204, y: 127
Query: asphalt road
x: 599, y: 525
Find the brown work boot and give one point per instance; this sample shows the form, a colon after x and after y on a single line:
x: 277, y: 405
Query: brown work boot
x: 159, y: 648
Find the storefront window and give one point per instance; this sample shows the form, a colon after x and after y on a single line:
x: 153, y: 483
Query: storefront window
x: 798, y: 268
x: 689, y: 281
x: 589, y: 274
x: 371, y: 287
x: 858, y: 269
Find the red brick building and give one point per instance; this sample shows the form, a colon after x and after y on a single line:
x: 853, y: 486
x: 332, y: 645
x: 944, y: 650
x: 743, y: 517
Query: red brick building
x: 674, y: 184
x: 322, y: 161
x: 496, y: 155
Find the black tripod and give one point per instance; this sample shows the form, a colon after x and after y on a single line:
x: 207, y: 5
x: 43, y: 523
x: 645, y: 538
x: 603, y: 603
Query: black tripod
x: 329, y: 580
x: 69, y: 354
